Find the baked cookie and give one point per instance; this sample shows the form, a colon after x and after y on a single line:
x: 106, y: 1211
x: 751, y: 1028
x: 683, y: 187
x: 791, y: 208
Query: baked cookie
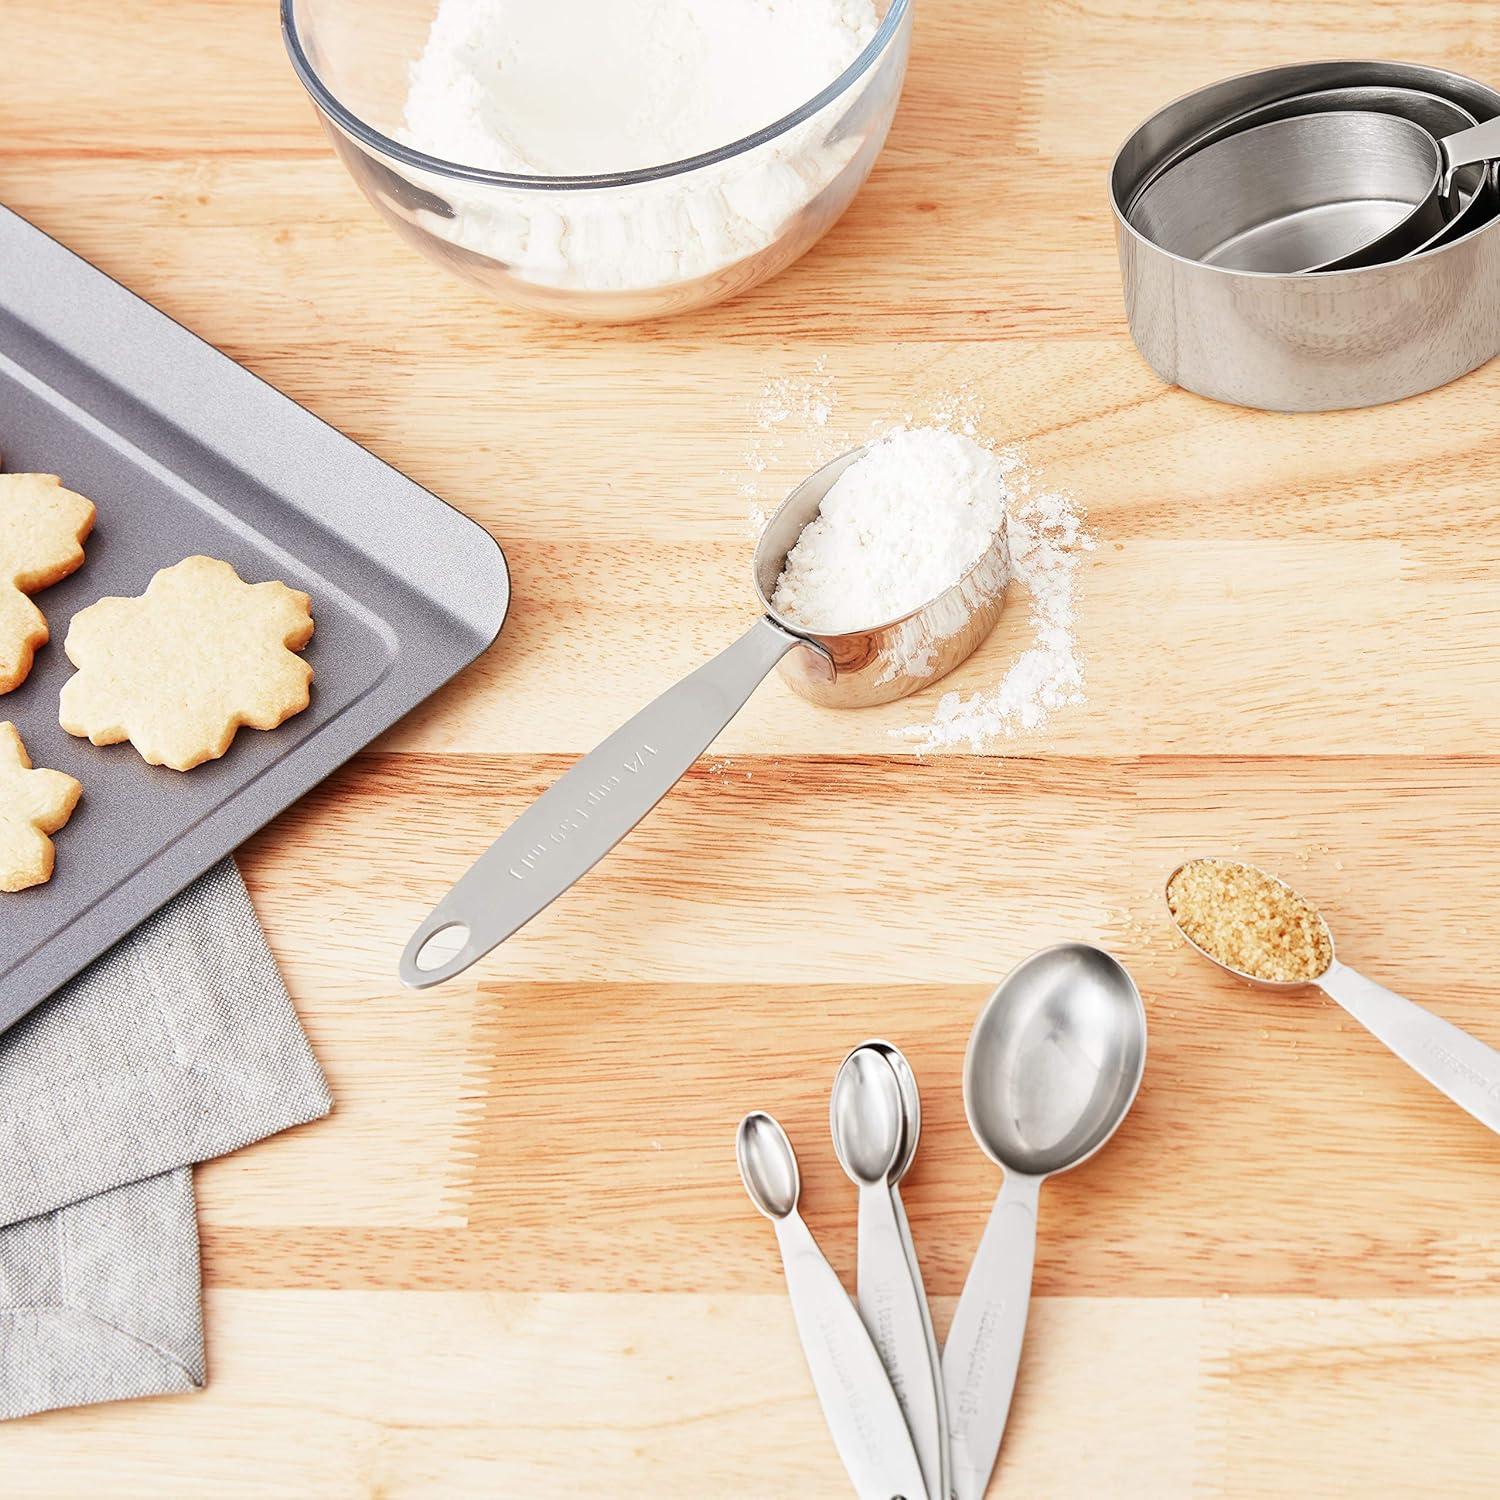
x: 42, y: 527
x: 32, y: 805
x: 178, y: 669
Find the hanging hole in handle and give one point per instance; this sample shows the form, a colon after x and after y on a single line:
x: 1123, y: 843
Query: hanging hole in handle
x: 441, y: 947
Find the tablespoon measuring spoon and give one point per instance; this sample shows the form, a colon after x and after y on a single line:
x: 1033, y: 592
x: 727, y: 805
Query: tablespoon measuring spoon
x: 859, y: 1404
x: 592, y: 806
x: 867, y: 1116
x: 1452, y: 1061
x: 1052, y: 1068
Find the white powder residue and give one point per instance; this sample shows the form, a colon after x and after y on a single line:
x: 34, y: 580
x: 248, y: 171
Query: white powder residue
x: 789, y: 408
x: 585, y: 87
x: 1047, y: 537
x: 896, y: 528
x: 799, y: 422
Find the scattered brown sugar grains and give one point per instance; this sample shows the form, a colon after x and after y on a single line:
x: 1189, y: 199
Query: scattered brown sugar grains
x: 1249, y: 922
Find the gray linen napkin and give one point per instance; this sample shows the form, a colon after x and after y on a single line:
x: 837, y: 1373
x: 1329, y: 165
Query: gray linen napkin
x: 178, y: 1045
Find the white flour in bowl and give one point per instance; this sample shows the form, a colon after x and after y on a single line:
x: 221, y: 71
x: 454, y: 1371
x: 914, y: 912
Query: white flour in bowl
x: 896, y: 528
x: 582, y: 87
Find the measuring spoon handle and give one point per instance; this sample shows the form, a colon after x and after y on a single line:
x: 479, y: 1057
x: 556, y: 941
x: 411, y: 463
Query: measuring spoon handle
x: 858, y: 1401
x: 592, y: 806
x: 983, y: 1351
x: 894, y: 1309
x: 1451, y: 1060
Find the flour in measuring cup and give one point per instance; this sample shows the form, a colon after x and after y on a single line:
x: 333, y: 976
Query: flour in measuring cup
x: 798, y: 421
x: 583, y: 87
x: 896, y: 528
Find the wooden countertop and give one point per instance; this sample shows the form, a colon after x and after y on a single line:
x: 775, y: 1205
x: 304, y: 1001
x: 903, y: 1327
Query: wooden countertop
x: 517, y: 1261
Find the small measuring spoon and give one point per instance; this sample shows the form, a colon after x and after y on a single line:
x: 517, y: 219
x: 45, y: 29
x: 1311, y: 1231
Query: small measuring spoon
x: 861, y: 1409
x: 911, y: 1108
x: 1053, y: 1066
x: 592, y: 806
x: 1452, y: 1061
x: 868, y: 1119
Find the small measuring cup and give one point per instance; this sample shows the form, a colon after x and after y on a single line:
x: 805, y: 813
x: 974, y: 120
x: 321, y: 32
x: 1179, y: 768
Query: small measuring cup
x: 1436, y: 115
x: 1312, y: 192
x: 590, y: 808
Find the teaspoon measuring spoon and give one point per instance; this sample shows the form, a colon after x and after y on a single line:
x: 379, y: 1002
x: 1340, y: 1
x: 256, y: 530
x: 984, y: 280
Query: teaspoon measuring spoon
x: 867, y: 1116
x: 1452, y: 1061
x: 911, y: 1105
x: 863, y: 1414
x: 1053, y: 1066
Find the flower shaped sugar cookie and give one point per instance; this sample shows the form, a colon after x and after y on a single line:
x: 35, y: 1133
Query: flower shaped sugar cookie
x: 178, y: 669
x: 33, y: 804
x: 42, y: 527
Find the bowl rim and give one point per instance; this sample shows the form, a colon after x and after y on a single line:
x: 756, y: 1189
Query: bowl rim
x: 365, y: 133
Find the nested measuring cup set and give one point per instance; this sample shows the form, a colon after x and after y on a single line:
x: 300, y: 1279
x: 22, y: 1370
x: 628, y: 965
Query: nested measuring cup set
x: 1313, y: 237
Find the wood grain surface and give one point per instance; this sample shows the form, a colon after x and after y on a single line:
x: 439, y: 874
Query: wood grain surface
x: 517, y: 1260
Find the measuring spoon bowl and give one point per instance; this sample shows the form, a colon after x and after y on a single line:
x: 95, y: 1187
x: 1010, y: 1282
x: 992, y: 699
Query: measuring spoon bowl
x: 911, y: 1105
x: 768, y: 1165
x: 1053, y: 1065
x: 865, y: 1116
x: 1455, y: 1063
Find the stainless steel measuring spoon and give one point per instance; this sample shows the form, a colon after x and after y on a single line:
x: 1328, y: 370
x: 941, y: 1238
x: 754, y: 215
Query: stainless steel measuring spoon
x: 868, y: 1118
x: 1053, y: 1065
x: 1452, y: 1061
x: 859, y: 1404
x: 591, y: 807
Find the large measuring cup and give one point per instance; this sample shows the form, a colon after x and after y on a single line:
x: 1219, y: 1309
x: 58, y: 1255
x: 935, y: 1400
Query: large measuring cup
x: 590, y: 808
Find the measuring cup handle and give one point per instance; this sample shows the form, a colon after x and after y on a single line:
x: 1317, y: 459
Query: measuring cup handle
x: 1476, y: 144
x: 1452, y: 1061
x: 592, y: 806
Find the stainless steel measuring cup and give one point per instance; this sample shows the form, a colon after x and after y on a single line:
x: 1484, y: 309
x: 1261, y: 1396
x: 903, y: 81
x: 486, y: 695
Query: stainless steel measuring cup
x: 1437, y: 115
x: 589, y: 809
x: 1297, y: 194
x: 1305, y: 342
x: 1446, y: 156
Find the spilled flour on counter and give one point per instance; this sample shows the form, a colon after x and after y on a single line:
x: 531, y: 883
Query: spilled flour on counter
x: 798, y: 424
x: 1047, y: 538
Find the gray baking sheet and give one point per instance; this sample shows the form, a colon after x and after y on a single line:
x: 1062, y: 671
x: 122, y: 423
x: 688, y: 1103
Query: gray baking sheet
x: 183, y: 451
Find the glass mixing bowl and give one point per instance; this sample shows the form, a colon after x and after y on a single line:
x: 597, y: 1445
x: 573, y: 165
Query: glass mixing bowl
x: 612, y: 248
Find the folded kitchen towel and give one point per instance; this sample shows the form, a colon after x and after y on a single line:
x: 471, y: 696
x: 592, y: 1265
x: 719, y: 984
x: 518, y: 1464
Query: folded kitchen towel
x: 178, y: 1045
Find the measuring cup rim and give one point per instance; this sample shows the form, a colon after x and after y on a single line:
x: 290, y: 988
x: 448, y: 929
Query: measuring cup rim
x: 1237, y: 124
x: 802, y: 632
x: 1284, y: 985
